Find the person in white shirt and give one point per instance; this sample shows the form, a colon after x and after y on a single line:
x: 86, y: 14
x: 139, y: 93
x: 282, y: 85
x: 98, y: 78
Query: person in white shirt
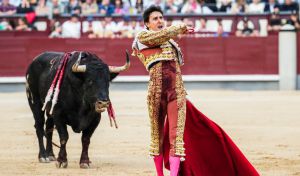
x: 110, y: 27
x: 72, y: 27
x: 256, y: 7
x: 192, y: 6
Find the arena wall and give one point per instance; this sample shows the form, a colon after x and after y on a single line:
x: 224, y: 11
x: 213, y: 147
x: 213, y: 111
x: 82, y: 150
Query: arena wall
x: 203, y: 56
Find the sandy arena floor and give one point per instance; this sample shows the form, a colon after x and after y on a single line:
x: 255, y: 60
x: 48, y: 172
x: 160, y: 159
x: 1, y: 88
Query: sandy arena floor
x: 264, y: 124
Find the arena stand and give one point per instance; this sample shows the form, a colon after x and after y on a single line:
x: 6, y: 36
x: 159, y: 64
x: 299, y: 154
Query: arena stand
x: 250, y: 59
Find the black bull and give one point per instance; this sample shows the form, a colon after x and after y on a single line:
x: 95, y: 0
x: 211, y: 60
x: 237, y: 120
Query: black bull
x: 83, y: 95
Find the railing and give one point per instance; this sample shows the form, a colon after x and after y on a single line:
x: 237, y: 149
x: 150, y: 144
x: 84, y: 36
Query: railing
x: 234, y: 19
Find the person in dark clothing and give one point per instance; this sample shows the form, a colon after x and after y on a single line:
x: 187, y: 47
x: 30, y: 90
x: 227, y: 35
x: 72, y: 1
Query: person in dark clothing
x: 24, y: 7
x: 275, y: 22
x: 271, y: 6
x: 294, y: 20
x: 289, y: 6
x: 6, y: 8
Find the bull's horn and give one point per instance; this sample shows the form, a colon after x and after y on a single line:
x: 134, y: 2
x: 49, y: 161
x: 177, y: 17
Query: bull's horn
x: 114, y: 69
x: 78, y: 68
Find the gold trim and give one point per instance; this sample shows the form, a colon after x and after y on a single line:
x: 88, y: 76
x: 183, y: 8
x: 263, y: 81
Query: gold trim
x: 181, y: 105
x: 155, y: 38
x: 154, y: 98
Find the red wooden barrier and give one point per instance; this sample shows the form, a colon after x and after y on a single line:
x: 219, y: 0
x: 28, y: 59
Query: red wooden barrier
x: 220, y: 56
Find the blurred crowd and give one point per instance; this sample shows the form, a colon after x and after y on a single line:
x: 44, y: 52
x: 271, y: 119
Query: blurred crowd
x: 109, y: 7
x: 108, y: 27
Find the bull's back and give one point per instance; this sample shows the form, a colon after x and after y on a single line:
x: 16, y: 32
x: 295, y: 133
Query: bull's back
x: 39, y: 73
x: 43, y: 61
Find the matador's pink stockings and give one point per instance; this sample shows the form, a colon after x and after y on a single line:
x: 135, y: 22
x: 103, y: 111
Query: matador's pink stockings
x: 174, y: 165
x: 158, y: 160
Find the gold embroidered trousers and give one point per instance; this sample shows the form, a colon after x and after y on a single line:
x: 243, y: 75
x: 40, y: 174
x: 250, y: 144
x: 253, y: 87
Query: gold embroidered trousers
x: 166, y: 102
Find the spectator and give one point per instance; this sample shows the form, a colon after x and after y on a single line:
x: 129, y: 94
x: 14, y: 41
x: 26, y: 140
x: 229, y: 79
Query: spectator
x: 179, y: 3
x: 211, y: 4
x: 201, y: 25
x: 41, y: 8
x: 239, y: 6
x: 33, y: 3
x: 294, y: 20
x: 171, y: 7
x: 15, y: 3
x: 57, y: 31
x: 206, y: 8
x: 22, y: 25
x: 125, y: 28
x: 52, y: 24
x: 246, y: 30
x: 110, y: 27
x: 225, y: 6
x: 137, y: 26
x: 73, y: 7
x: 63, y: 5
x: 5, y: 25
x: 271, y: 6
x: 274, y: 22
x: 119, y: 9
x: 289, y: 6
x: 220, y: 30
x: 89, y: 7
x: 159, y: 3
x: 128, y: 7
x: 106, y: 8
x: 139, y: 6
x: 24, y: 7
x: 55, y: 9
x: 191, y: 6
x: 6, y: 8
x: 88, y: 28
x: 256, y: 7
x: 72, y: 27
x: 92, y: 28
x: 188, y: 22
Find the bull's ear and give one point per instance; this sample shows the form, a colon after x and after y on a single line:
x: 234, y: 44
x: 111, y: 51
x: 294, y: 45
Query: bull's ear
x: 113, y: 76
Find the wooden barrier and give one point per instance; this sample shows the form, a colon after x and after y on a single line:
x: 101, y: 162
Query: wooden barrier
x: 205, y: 56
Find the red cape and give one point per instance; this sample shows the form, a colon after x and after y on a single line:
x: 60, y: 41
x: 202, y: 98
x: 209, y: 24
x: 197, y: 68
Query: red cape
x: 209, y: 150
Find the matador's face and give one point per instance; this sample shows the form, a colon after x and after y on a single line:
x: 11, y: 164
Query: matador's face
x: 156, y: 21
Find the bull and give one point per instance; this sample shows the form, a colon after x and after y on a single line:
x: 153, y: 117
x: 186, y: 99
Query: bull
x: 84, y: 94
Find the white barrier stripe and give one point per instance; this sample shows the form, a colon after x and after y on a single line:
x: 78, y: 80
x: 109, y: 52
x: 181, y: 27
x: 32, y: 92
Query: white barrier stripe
x: 186, y: 78
x: 12, y: 79
x: 205, y: 78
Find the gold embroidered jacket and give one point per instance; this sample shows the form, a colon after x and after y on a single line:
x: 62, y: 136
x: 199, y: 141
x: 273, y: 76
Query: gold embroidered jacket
x: 153, y: 46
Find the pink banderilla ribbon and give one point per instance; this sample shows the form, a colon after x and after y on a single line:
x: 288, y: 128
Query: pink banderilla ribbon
x: 111, y: 114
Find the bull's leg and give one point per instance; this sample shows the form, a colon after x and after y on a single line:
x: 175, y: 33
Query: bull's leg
x: 38, y: 115
x: 85, y: 139
x: 62, y: 161
x: 49, y: 133
x: 39, y: 129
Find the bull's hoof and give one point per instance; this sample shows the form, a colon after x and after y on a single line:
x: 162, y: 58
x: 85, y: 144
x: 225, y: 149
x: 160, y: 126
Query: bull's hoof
x: 84, y: 166
x: 61, y: 164
x: 44, y: 160
x: 52, y: 158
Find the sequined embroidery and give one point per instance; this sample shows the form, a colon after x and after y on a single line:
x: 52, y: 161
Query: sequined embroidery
x: 154, y: 97
x: 181, y: 105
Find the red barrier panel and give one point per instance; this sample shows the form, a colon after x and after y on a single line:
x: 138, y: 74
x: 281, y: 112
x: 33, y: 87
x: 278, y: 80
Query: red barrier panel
x: 220, y: 56
x: 231, y: 55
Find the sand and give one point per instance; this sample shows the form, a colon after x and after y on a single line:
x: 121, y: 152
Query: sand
x: 265, y: 125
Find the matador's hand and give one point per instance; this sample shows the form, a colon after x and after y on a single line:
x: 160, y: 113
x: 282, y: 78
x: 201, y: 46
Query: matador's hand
x: 190, y: 30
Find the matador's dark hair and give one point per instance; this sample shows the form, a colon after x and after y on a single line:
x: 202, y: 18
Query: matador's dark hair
x: 149, y: 10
